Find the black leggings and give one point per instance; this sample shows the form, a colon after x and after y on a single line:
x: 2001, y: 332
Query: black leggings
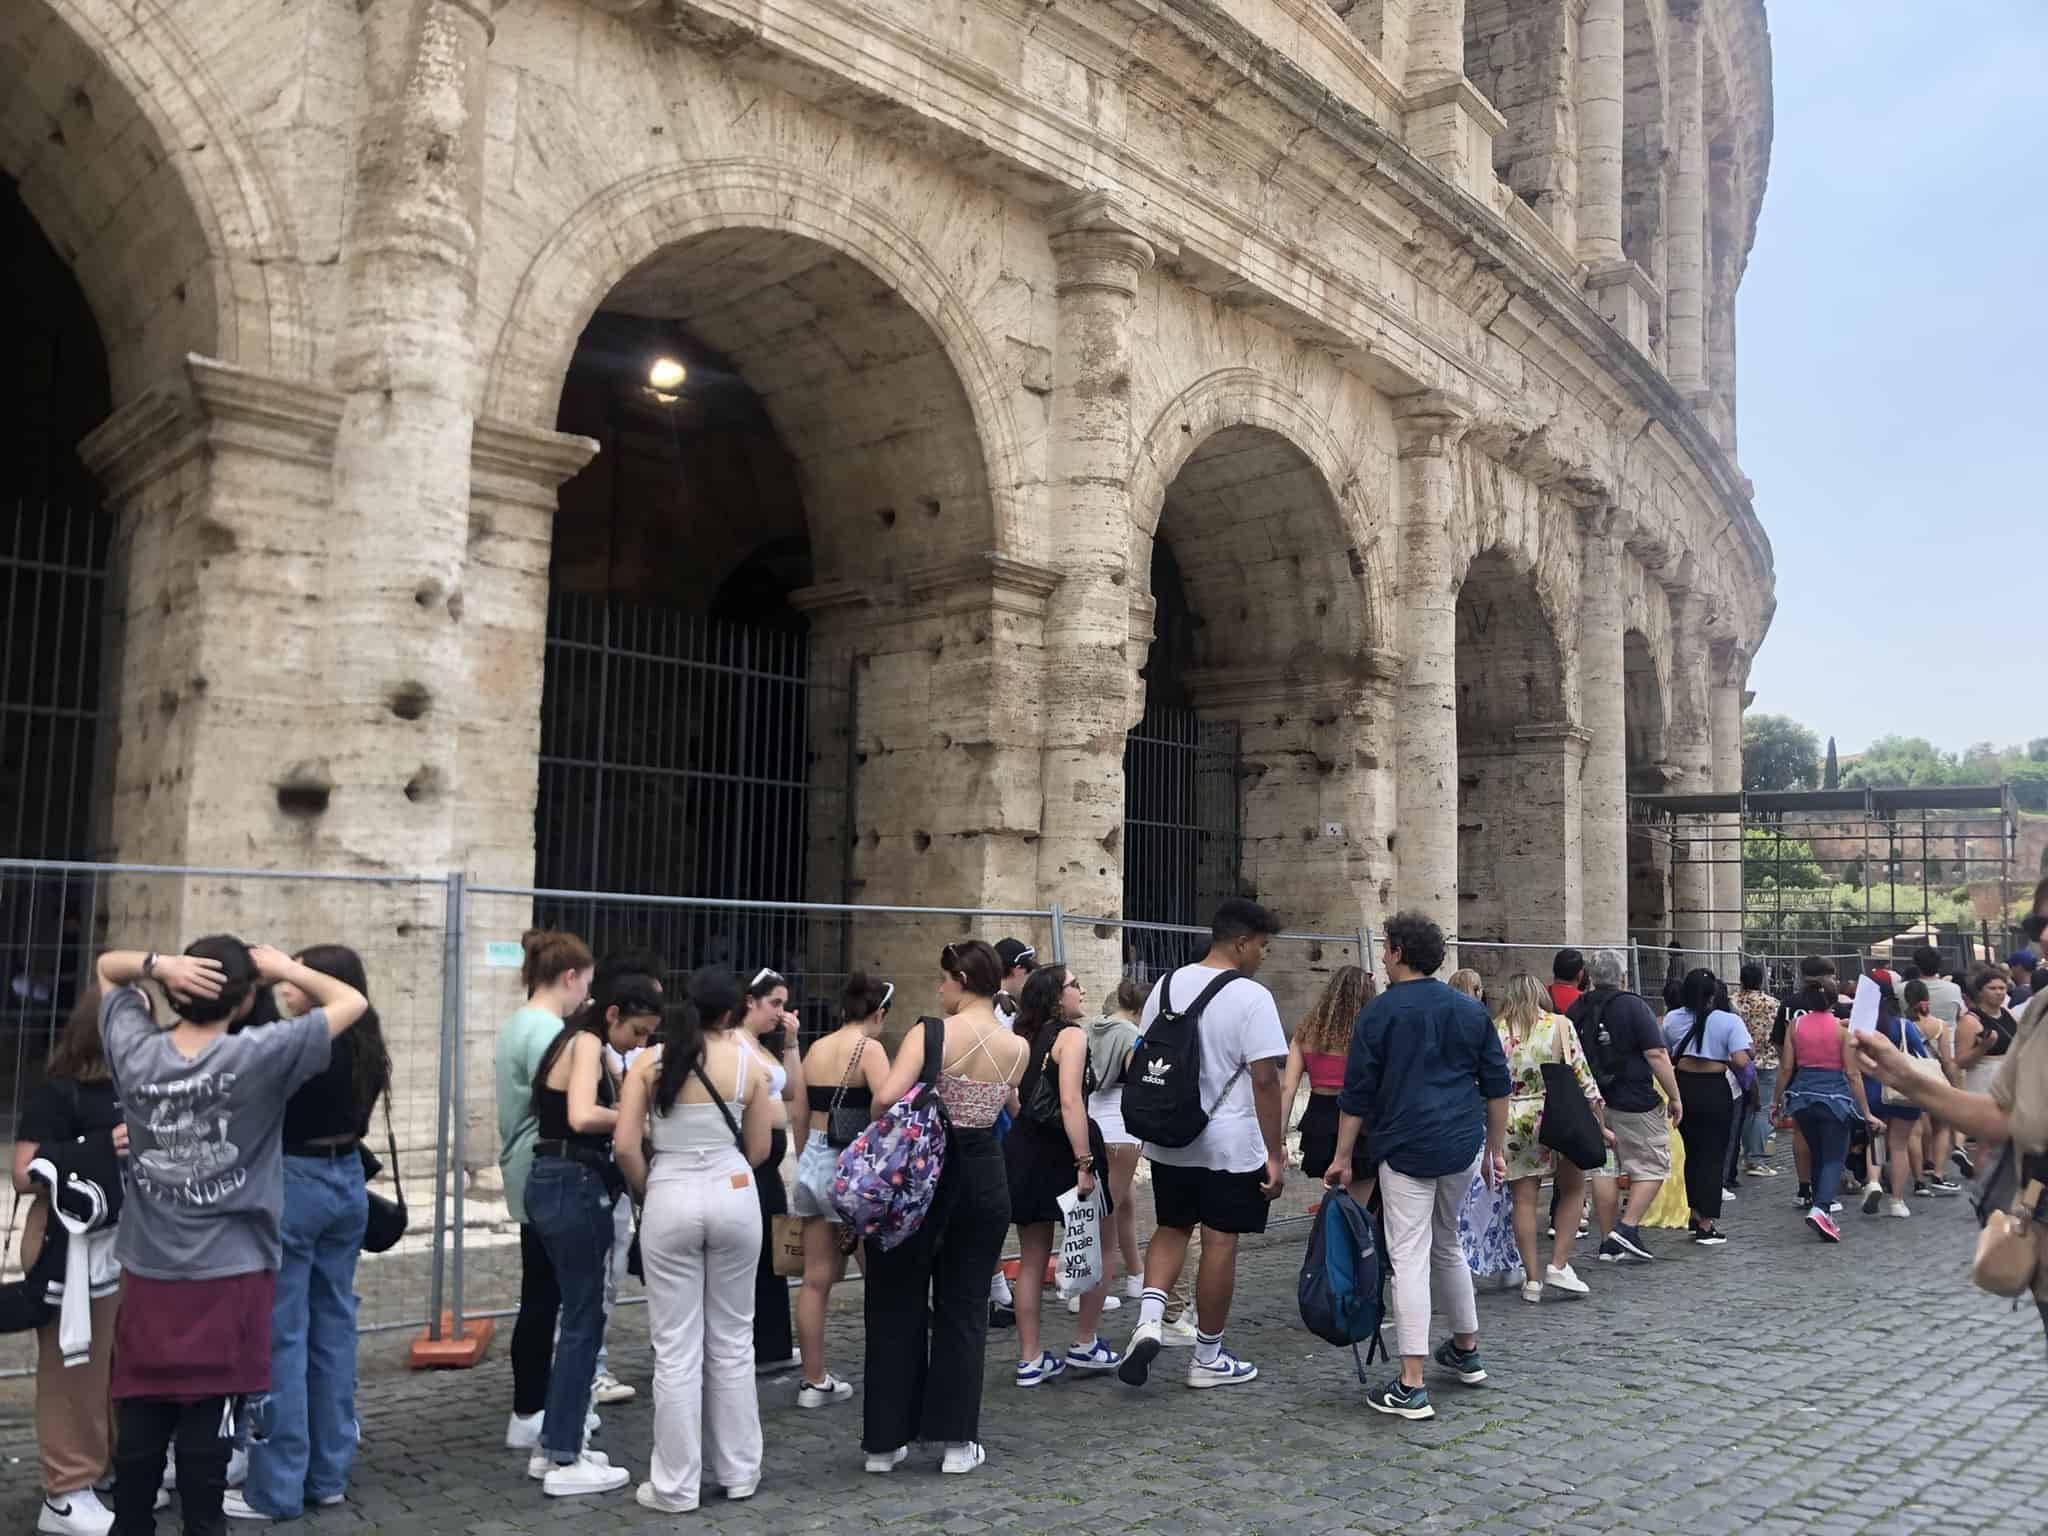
x: 1709, y: 1119
x: 202, y: 1432
x: 533, y: 1333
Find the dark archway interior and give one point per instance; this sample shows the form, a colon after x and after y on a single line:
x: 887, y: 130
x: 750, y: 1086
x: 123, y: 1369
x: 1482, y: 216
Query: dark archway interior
x: 1649, y: 857
x: 54, y: 538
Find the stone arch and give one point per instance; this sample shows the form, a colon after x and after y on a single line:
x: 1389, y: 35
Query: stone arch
x: 630, y: 223
x: 1246, y: 499
x: 1243, y: 400
x: 132, y: 161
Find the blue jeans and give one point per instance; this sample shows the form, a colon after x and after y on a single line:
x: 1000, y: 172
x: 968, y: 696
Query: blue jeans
x: 302, y: 1438
x: 570, y: 1207
x: 1758, y: 1125
x: 1827, y: 1141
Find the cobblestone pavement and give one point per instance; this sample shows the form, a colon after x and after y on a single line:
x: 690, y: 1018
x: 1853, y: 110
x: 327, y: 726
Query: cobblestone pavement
x: 1769, y: 1386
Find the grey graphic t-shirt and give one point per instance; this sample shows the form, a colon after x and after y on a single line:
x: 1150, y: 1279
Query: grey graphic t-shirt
x: 205, y: 1163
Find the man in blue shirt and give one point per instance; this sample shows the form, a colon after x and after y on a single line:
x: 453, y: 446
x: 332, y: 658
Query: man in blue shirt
x: 1426, y: 1072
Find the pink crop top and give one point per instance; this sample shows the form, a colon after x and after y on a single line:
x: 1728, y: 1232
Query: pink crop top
x: 1325, y: 1073
x: 1814, y: 1041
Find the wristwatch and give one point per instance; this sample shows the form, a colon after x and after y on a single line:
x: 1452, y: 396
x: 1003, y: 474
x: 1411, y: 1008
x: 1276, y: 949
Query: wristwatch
x: 149, y: 965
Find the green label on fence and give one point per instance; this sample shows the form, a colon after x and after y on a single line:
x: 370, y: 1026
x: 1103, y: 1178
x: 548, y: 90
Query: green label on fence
x: 504, y: 957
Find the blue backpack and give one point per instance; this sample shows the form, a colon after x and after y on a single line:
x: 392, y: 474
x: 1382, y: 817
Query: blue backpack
x: 1344, y: 1277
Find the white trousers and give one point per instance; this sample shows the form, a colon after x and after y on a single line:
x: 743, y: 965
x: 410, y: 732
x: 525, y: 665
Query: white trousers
x: 1422, y: 1224
x: 700, y: 1240
x: 615, y: 1272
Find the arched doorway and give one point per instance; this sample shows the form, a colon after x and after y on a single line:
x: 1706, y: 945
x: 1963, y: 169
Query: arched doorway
x: 1518, y: 760
x: 1649, y: 849
x: 784, y: 448
x: 1250, y: 771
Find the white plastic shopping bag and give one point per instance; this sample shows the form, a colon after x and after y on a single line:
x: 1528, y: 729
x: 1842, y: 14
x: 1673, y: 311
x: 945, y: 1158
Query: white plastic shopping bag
x: 1079, y: 1265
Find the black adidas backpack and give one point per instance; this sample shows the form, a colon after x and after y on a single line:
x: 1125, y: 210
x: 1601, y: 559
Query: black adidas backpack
x: 1163, y: 1088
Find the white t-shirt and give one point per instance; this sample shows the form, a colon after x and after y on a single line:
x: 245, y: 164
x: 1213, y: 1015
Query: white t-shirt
x: 1239, y: 1026
x: 1944, y: 998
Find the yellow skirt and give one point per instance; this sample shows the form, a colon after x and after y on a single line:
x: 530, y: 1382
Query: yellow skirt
x: 1670, y: 1209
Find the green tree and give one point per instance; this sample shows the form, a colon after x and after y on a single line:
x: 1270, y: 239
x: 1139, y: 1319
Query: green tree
x: 1852, y: 874
x: 1893, y: 761
x: 1831, y: 774
x: 2037, y: 750
x: 1786, y: 863
x: 2029, y: 781
x: 1778, y: 753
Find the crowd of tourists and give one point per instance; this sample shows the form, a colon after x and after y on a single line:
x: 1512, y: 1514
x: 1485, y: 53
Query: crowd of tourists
x: 200, y: 1180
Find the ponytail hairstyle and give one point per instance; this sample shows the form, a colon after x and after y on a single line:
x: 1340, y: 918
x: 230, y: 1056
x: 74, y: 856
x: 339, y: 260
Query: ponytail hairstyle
x: 1038, y: 1003
x: 1698, y: 992
x: 975, y: 965
x: 863, y: 997
x: 711, y: 1003
x: 548, y: 955
x: 371, y: 1078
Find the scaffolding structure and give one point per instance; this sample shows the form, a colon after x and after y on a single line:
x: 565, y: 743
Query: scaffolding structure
x: 1907, y: 851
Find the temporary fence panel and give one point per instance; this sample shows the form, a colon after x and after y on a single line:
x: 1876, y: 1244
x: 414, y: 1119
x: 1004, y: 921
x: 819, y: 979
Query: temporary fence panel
x: 55, y: 918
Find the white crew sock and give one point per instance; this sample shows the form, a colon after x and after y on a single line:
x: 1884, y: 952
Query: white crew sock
x: 999, y: 1289
x: 1207, y: 1346
x: 1151, y: 1307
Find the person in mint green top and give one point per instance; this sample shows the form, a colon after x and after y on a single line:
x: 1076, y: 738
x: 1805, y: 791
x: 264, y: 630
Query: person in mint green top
x: 557, y: 978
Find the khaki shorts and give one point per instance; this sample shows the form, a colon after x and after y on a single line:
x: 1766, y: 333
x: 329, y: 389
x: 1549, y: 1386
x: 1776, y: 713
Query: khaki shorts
x: 1642, y: 1143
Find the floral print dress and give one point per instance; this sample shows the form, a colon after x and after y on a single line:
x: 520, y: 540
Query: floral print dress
x: 1527, y: 1157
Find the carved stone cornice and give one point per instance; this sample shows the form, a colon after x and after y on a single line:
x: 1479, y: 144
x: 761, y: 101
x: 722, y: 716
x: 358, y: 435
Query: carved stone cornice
x: 1359, y: 684
x: 524, y: 464
x: 1430, y: 424
x: 1099, y: 242
x: 985, y: 579
x: 211, y: 405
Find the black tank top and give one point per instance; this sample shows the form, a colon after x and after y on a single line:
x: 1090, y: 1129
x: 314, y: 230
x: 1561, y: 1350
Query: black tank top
x: 552, y: 1114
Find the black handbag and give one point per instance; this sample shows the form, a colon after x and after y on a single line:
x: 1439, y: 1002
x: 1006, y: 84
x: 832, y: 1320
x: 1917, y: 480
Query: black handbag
x: 843, y: 1124
x: 1568, y: 1125
x: 388, y: 1218
x: 1042, y: 1109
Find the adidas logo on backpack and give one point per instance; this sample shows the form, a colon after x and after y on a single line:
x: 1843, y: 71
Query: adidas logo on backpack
x: 1163, y: 1091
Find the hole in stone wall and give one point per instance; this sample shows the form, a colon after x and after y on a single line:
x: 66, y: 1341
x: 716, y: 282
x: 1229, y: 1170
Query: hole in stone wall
x: 423, y: 785
x: 410, y: 700
x: 303, y: 801
x: 887, y: 517
x: 923, y: 840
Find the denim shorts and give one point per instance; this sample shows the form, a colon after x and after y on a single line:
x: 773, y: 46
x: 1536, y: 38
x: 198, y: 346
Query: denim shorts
x: 815, y: 1167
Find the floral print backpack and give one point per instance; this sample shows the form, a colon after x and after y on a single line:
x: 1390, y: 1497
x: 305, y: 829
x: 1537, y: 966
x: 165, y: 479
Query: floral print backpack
x: 889, y: 1172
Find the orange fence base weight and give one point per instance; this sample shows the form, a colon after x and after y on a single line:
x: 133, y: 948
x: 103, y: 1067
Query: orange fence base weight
x: 452, y: 1352
x: 1011, y: 1266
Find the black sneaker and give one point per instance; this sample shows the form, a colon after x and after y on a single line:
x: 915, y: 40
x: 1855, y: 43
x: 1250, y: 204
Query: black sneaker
x: 1803, y: 1198
x: 1936, y: 1186
x: 1710, y: 1237
x: 1964, y: 1165
x: 1463, y: 1362
x: 1000, y: 1316
x: 1402, y: 1402
x: 1610, y: 1251
x: 1631, y: 1242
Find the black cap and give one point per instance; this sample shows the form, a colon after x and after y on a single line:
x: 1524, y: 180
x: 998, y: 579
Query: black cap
x: 1015, y: 952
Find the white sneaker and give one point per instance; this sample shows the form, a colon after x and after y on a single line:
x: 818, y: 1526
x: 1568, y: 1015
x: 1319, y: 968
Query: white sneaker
x: 830, y: 1390
x: 78, y: 1513
x: 587, y: 1474
x: 887, y: 1461
x: 963, y: 1456
x: 1531, y: 1291
x: 1898, y: 1208
x: 235, y: 1507
x: 1727, y: 1197
x: 1873, y: 1196
x: 1178, y: 1334
x: 1146, y: 1339
x: 609, y: 1389
x: 1225, y: 1370
x: 522, y: 1431
x: 539, y: 1464
x: 1565, y: 1279
x: 647, y: 1498
x: 238, y: 1468
x: 1109, y: 1303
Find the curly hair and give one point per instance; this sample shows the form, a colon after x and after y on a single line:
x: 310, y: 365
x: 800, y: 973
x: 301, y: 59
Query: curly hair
x: 1327, y: 1028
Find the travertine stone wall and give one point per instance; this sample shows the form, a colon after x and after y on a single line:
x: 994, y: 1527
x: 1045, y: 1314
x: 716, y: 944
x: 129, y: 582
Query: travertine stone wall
x: 1374, y: 311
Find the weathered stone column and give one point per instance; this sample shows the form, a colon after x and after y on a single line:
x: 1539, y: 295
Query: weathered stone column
x: 1730, y: 668
x: 398, y: 526
x: 1426, y: 735
x: 1436, y: 40
x: 1603, y: 775
x: 1600, y: 132
x: 1685, y: 312
x: 1689, y: 748
x: 1090, y: 689
x: 1449, y: 123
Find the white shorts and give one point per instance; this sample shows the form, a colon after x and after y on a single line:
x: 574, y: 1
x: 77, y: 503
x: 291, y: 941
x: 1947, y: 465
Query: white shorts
x: 1106, y: 1109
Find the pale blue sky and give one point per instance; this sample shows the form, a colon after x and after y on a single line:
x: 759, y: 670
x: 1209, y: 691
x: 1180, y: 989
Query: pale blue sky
x: 1891, y: 340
